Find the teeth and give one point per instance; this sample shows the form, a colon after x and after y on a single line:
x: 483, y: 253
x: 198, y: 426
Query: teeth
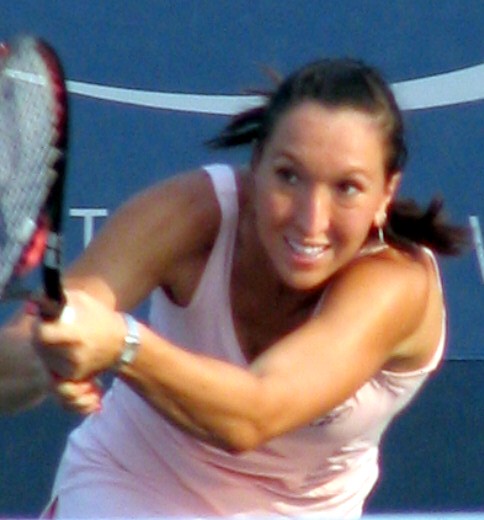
x: 311, y: 251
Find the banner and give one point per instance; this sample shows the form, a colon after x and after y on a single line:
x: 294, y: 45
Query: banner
x: 150, y: 81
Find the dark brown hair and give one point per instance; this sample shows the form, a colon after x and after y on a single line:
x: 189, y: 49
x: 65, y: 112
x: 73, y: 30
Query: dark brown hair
x: 338, y: 83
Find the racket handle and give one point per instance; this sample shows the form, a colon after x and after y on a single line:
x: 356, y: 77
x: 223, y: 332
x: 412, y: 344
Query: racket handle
x: 41, y: 305
x: 50, y: 309
x: 51, y: 273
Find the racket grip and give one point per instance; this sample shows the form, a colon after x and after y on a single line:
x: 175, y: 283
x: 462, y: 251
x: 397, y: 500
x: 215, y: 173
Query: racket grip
x: 50, y: 309
x: 51, y: 273
x: 46, y: 308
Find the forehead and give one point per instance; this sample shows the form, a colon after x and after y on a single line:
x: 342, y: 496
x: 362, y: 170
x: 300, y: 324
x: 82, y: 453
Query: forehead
x: 312, y: 114
x: 310, y: 128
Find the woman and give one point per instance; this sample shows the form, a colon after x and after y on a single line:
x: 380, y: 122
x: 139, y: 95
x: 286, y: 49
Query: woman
x: 296, y: 308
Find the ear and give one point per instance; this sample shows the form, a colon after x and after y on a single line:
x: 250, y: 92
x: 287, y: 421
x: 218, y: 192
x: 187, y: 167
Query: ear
x: 390, y: 190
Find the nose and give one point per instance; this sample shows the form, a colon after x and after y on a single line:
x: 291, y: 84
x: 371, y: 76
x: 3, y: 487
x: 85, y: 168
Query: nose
x: 313, y: 212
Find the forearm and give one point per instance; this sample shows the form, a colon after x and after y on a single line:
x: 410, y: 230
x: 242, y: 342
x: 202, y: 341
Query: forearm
x: 212, y: 399
x: 23, y: 378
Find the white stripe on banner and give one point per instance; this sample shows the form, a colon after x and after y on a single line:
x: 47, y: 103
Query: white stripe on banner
x: 459, y: 86
x: 478, y: 242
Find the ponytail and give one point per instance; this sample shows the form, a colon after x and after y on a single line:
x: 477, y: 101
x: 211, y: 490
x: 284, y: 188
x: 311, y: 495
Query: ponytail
x: 243, y: 129
x: 408, y: 224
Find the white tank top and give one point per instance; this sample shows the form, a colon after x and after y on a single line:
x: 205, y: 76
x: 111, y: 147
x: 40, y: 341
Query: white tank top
x: 327, y: 468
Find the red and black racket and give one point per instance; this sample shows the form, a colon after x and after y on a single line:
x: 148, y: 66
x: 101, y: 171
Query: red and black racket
x: 33, y: 146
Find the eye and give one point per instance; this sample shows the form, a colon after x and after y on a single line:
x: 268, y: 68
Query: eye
x: 287, y: 175
x: 349, y: 188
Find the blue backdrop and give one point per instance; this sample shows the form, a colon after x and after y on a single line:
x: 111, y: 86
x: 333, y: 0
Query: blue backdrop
x: 216, y: 48
x: 205, y: 54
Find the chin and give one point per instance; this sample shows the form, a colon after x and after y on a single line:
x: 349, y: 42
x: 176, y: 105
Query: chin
x: 305, y: 282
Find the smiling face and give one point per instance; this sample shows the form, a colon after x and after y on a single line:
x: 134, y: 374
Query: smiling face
x: 319, y: 187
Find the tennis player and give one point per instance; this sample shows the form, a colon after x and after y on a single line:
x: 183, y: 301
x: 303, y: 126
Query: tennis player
x: 296, y: 308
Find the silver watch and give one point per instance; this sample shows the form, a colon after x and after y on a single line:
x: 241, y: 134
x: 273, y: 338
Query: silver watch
x: 131, y: 342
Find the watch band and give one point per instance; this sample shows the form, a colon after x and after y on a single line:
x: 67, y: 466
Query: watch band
x: 131, y: 342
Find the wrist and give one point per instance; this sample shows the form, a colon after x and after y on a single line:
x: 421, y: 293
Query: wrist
x: 131, y: 342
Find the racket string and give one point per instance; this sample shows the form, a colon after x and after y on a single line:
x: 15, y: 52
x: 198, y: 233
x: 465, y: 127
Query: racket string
x: 29, y: 114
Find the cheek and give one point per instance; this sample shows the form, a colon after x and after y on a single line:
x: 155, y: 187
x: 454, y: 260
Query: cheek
x: 279, y: 205
x: 272, y: 207
x: 354, y: 225
x: 265, y: 216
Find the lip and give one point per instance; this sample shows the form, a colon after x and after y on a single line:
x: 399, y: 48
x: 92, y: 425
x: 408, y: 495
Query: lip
x: 307, y: 252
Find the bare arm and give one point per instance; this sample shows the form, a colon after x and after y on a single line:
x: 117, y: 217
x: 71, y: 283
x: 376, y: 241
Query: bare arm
x: 148, y: 241
x: 298, y: 379
x: 24, y: 381
x: 115, y: 272
x: 301, y: 377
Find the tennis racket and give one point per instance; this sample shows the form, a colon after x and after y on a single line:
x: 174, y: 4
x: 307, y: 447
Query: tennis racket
x: 33, y: 147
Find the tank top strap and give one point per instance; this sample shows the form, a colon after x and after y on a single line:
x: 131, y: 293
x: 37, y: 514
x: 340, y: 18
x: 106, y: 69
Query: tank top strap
x: 225, y: 186
x: 439, y: 351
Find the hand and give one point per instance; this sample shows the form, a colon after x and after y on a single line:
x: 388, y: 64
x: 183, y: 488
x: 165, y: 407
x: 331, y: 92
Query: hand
x: 84, y: 341
x: 78, y: 396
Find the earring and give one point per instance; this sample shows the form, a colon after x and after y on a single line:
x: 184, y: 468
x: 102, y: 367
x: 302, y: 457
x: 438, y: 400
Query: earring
x: 380, y: 226
x: 381, y: 236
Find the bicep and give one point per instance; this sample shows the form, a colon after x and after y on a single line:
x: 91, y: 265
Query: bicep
x: 112, y: 262
x: 140, y: 246
x: 367, y: 313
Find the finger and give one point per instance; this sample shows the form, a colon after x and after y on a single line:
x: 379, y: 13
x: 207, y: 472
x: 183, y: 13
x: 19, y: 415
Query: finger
x: 88, y: 403
x: 68, y: 315
x: 85, y: 404
x: 83, y: 397
x: 71, y: 389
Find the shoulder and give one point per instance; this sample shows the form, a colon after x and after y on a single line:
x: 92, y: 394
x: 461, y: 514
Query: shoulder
x: 146, y: 241
x: 392, y: 267
x: 398, y: 294
x: 181, y: 207
x: 193, y: 188
x: 387, y: 272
